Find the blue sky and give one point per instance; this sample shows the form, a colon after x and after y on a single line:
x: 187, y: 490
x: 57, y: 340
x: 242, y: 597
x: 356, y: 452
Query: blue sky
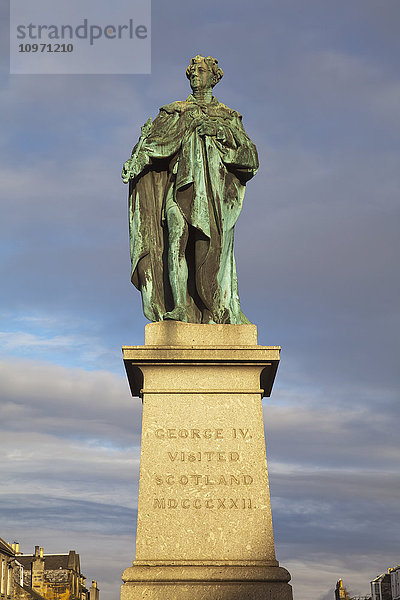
x: 317, y: 249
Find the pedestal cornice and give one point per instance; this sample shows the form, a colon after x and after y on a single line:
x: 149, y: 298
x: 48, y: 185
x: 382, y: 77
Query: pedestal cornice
x: 168, y: 344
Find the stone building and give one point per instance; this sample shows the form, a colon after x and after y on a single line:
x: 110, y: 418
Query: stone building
x: 54, y: 576
x: 7, y: 557
x: 395, y: 582
x: 42, y: 576
x: 94, y: 592
x: 381, y: 588
x: 340, y: 591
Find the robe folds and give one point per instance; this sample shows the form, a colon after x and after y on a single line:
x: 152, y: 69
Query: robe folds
x: 205, y: 176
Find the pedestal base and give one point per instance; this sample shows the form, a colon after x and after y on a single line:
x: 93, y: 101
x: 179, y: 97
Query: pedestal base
x: 206, y: 582
x: 204, y: 516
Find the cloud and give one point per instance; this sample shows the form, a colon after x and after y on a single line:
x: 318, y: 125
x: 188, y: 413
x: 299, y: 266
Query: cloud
x: 338, y: 81
x: 85, y: 350
x: 15, y: 339
x: 353, y: 437
x: 68, y: 403
x: 70, y: 470
x: 67, y: 514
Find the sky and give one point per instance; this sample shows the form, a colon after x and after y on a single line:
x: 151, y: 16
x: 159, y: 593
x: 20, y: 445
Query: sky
x: 317, y: 246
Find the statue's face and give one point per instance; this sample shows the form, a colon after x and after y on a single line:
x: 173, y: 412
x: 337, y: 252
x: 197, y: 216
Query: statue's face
x: 201, y: 76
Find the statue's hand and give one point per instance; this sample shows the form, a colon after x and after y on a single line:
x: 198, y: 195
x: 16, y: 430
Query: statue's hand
x: 134, y: 166
x: 126, y: 171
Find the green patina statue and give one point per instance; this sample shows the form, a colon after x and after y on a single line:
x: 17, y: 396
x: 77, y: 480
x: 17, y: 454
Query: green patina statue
x: 187, y: 177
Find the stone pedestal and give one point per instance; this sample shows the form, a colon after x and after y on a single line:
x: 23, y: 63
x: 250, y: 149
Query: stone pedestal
x: 204, y: 517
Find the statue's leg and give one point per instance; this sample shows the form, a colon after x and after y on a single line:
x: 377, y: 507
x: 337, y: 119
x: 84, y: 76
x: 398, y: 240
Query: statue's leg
x: 229, y: 304
x: 178, y: 234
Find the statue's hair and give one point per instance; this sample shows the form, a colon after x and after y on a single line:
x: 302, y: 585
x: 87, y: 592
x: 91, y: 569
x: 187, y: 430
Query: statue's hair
x: 212, y: 64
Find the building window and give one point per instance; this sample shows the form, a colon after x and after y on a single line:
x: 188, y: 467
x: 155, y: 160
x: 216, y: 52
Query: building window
x: 2, y: 577
x: 377, y: 591
x: 9, y: 573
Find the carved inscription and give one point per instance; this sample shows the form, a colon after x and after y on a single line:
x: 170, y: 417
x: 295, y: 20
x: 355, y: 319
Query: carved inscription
x: 196, y: 482
x: 195, y: 479
x: 211, y: 503
x: 202, y: 434
x: 192, y: 434
x: 243, y: 434
x: 203, y: 456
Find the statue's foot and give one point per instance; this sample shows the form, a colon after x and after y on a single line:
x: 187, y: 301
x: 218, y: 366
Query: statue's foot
x: 178, y: 314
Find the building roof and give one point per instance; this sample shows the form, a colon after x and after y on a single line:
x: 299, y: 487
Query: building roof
x: 31, y: 592
x: 392, y: 569
x: 52, y: 562
x: 379, y: 578
x: 6, y: 548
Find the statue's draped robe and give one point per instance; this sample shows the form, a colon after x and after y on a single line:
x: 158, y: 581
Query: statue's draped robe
x: 205, y: 176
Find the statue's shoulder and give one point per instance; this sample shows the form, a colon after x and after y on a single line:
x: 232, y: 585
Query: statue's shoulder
x: 227, y: 112
x: 178, y: 106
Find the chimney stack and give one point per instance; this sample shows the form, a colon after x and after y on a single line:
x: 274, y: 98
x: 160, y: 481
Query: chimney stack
x: 94, y: 591
x: 37, y: 571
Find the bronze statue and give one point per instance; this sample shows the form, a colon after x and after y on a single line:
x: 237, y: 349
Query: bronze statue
x: 187, y: 177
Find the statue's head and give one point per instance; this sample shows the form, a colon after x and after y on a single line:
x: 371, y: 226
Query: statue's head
x: 203, y: 72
